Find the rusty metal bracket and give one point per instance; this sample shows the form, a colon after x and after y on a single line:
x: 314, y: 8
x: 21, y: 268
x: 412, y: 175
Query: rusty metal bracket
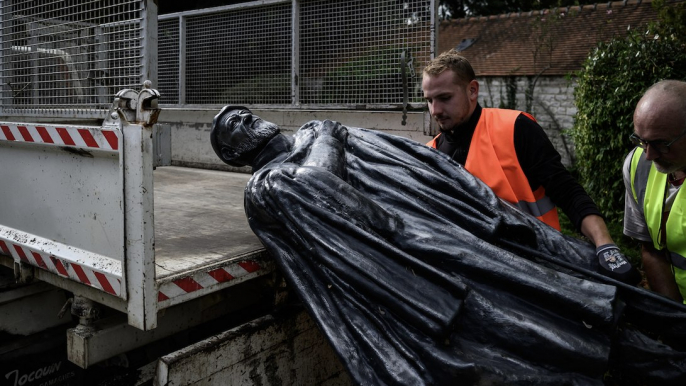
x: 136, y: 107
x: 23, y: 273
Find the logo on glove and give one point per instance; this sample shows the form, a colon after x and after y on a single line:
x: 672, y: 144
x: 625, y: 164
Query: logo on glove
x: 614, y: 260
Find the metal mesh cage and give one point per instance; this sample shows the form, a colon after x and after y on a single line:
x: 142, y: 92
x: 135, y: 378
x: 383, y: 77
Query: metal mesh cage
x: 70, y: 55
x: 351, y: 51
x: 331, y: 53
x: 241, y: 56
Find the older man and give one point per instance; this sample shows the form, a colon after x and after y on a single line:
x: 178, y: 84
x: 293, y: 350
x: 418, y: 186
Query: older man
x: 654, y: 171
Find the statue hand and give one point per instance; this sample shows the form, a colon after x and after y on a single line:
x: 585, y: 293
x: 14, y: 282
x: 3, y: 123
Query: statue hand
x: 328, y: 148
x: 332, y: 129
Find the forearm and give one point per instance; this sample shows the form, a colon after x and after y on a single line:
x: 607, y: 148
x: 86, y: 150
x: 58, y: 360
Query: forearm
x: 659, y: 272
x: 593, y: 227
x: 543, y: 166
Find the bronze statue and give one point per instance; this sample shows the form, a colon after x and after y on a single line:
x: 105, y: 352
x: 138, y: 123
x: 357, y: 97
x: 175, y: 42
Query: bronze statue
x: 418, y: 274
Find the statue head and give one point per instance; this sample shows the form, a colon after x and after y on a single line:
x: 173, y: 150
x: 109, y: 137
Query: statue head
x: 237, y: 135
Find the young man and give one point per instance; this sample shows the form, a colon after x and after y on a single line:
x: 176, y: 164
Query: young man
x: 653, y: 174
x: 511, y: 153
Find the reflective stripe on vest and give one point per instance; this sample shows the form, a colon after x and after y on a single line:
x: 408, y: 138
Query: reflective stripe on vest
x: 492, y: 158
x: 648, y: 188
x: 539, y: 208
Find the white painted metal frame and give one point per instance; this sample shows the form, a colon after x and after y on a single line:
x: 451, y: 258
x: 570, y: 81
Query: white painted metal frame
x: 80, y: 209
x: 139, y: 226
x: 81, y: 204
x: 175, y: 289
x: 62, y: 195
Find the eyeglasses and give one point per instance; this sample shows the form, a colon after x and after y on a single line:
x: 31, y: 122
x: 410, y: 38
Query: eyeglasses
x: 661, y: 147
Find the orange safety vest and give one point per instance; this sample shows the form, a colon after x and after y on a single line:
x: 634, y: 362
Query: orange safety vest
x: 492, y: 159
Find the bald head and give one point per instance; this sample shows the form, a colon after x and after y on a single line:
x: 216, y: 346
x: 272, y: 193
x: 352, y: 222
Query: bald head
x: 660, y: 117
x: 665, y: 100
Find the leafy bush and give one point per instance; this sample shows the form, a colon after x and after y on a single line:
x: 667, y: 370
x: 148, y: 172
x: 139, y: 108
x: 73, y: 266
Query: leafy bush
x: 610, y: 84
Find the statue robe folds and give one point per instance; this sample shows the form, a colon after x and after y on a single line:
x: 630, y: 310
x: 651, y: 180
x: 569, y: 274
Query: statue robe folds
x: 418, y: 274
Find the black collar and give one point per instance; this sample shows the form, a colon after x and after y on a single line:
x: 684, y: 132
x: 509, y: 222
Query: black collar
x: 464, y: 132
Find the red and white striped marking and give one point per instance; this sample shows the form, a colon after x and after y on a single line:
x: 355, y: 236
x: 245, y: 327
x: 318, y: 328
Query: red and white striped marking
x: 64, y: 268
x: 89, y: 138
x: 207, y: 279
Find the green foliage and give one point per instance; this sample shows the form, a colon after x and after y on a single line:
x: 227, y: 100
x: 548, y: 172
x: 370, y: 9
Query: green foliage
x: 371, y: 77
x: 672, y: 18
x: 462, y: 8
x: 509, y: 101
x: 364, y: 77
x: 261, y: 88
x: 610, y: 84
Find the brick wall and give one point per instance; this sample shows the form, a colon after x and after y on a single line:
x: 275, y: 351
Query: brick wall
x: 552, y: 104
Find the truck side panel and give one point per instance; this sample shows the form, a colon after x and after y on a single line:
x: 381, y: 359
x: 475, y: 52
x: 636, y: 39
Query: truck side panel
x: 284, y: 349
x: 62, y: 192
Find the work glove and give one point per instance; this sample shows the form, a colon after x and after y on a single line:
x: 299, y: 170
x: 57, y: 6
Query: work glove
x: 615, y: 265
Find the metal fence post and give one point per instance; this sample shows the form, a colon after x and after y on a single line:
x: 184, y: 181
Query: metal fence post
x: 182, y: 60
x: 3, y: 92
x: 149, y: 46
x: 295, y: 53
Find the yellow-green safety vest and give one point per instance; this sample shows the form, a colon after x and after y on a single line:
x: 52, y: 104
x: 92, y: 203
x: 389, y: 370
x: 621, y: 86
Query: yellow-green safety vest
x: 648, y: 188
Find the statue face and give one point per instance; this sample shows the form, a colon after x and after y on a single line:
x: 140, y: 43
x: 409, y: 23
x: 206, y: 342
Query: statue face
x: 238, y: 124
x: 237, y: 134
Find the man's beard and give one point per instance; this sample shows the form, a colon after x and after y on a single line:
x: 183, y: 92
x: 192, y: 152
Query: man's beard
x: 445, y: 129
x: 241, y: 154
x: 665, y: 169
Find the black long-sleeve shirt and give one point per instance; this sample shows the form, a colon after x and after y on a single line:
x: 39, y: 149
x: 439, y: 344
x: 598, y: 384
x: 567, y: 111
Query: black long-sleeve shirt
x: 538, y: 158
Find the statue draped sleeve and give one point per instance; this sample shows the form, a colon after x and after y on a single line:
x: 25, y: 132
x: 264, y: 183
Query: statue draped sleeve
x: 418, y: 274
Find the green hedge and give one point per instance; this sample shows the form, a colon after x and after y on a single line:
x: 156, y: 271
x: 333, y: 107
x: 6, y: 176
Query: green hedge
x: 610, y: 84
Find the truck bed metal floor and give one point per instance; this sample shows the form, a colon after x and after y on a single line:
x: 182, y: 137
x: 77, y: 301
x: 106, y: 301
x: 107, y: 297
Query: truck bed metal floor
x: 199, y: 219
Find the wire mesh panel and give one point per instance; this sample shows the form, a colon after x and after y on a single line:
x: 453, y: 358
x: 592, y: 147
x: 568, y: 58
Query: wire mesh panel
x: 240, y: 56
x: 352, y: 51
x: 68, y: 57
x: 168, y: 53
x: 330, y: 54
x: 235, y: 56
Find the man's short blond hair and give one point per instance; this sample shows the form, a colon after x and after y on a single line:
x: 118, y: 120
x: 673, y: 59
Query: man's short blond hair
x: 451, y: 60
